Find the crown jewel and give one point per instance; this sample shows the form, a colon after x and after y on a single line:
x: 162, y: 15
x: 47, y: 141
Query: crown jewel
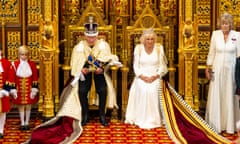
x: 91, y: 27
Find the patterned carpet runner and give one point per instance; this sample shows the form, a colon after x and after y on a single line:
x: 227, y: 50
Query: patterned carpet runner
x: 94, y: 133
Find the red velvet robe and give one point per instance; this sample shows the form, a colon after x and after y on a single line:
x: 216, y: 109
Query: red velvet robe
x: 65, y: 127
x: 53, y: 134
x: 23, y: 85
x: 4, y: 101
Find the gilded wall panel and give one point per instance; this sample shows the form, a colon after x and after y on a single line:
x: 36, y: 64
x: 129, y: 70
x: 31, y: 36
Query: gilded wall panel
x: 13, y: 42
x: 72, y: 12
x: 203, y: 10
x: 33, y: 11
x: 232, y: 6
x: 33, y: 43
x: 203, y: 46
x: 10, y: 11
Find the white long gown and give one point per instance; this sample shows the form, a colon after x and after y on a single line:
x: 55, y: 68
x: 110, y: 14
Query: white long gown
x: 222, y: 110
x: 143, y: 107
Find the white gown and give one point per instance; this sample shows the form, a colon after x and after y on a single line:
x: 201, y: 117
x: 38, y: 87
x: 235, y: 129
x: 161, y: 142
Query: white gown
x: 222, y: 110
x: 143, y: 107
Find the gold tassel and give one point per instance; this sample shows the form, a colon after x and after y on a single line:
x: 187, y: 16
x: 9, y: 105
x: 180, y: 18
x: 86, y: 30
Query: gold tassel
x: 92, y: 93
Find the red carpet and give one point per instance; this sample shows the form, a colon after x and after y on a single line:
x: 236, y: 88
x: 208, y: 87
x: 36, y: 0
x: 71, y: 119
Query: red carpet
x: 94, y: 133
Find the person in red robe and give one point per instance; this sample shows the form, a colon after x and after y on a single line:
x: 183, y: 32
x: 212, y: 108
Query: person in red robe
x: 4, y: 94
x: 23, y: 83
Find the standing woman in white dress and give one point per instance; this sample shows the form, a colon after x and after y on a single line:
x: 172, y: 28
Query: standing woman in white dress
x: 150, y: 65
x: 222, y: 108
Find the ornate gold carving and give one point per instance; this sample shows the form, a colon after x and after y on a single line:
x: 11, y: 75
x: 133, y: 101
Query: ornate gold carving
x: 49, y: 64
x: 48, y: 30
x: 188, y: 33
x: 188, y: 8
x: 188, y: 61
x: 147, y: 21
x: 9, y: 11
x: 99, y: 4
x: 48, y: 12
x: 13, y: 42
x: 114, y: 70
x: 168, y: 12
x: 125, y: 91
x: 203, y: 8
x: 120, y: 7
x: 203, y: 45
x: 203, y: 90
x: 190, y: 71
x: 91, y: 10
x: 46, y: 67
x: 34, y: 10
x: 146, y: 15
x: 72, y: 11
x: 33, y: 43
x: 232, y: 7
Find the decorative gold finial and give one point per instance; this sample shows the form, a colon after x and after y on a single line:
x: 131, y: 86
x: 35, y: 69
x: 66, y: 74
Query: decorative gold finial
x: 147, y: 2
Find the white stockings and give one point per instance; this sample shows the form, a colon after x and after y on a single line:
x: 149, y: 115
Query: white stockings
x: 2, y: 121
x: 24, y: 110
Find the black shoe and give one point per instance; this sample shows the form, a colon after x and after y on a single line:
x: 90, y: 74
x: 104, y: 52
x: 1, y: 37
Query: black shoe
x: 22, y: 127
x: 84, y: 122
x: 1, y: 136
x: 103, y: 121
x: 26, y: 127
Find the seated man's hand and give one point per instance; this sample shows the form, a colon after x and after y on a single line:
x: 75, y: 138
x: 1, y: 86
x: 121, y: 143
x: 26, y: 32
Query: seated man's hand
x: 99, y: 70
x: 85, y: 71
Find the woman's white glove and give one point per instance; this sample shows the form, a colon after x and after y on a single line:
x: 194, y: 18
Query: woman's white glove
x: 33, y: 93
x: 13, y: 92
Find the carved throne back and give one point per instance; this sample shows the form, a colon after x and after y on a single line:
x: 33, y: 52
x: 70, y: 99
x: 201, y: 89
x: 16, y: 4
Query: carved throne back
x: 146, y: 20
